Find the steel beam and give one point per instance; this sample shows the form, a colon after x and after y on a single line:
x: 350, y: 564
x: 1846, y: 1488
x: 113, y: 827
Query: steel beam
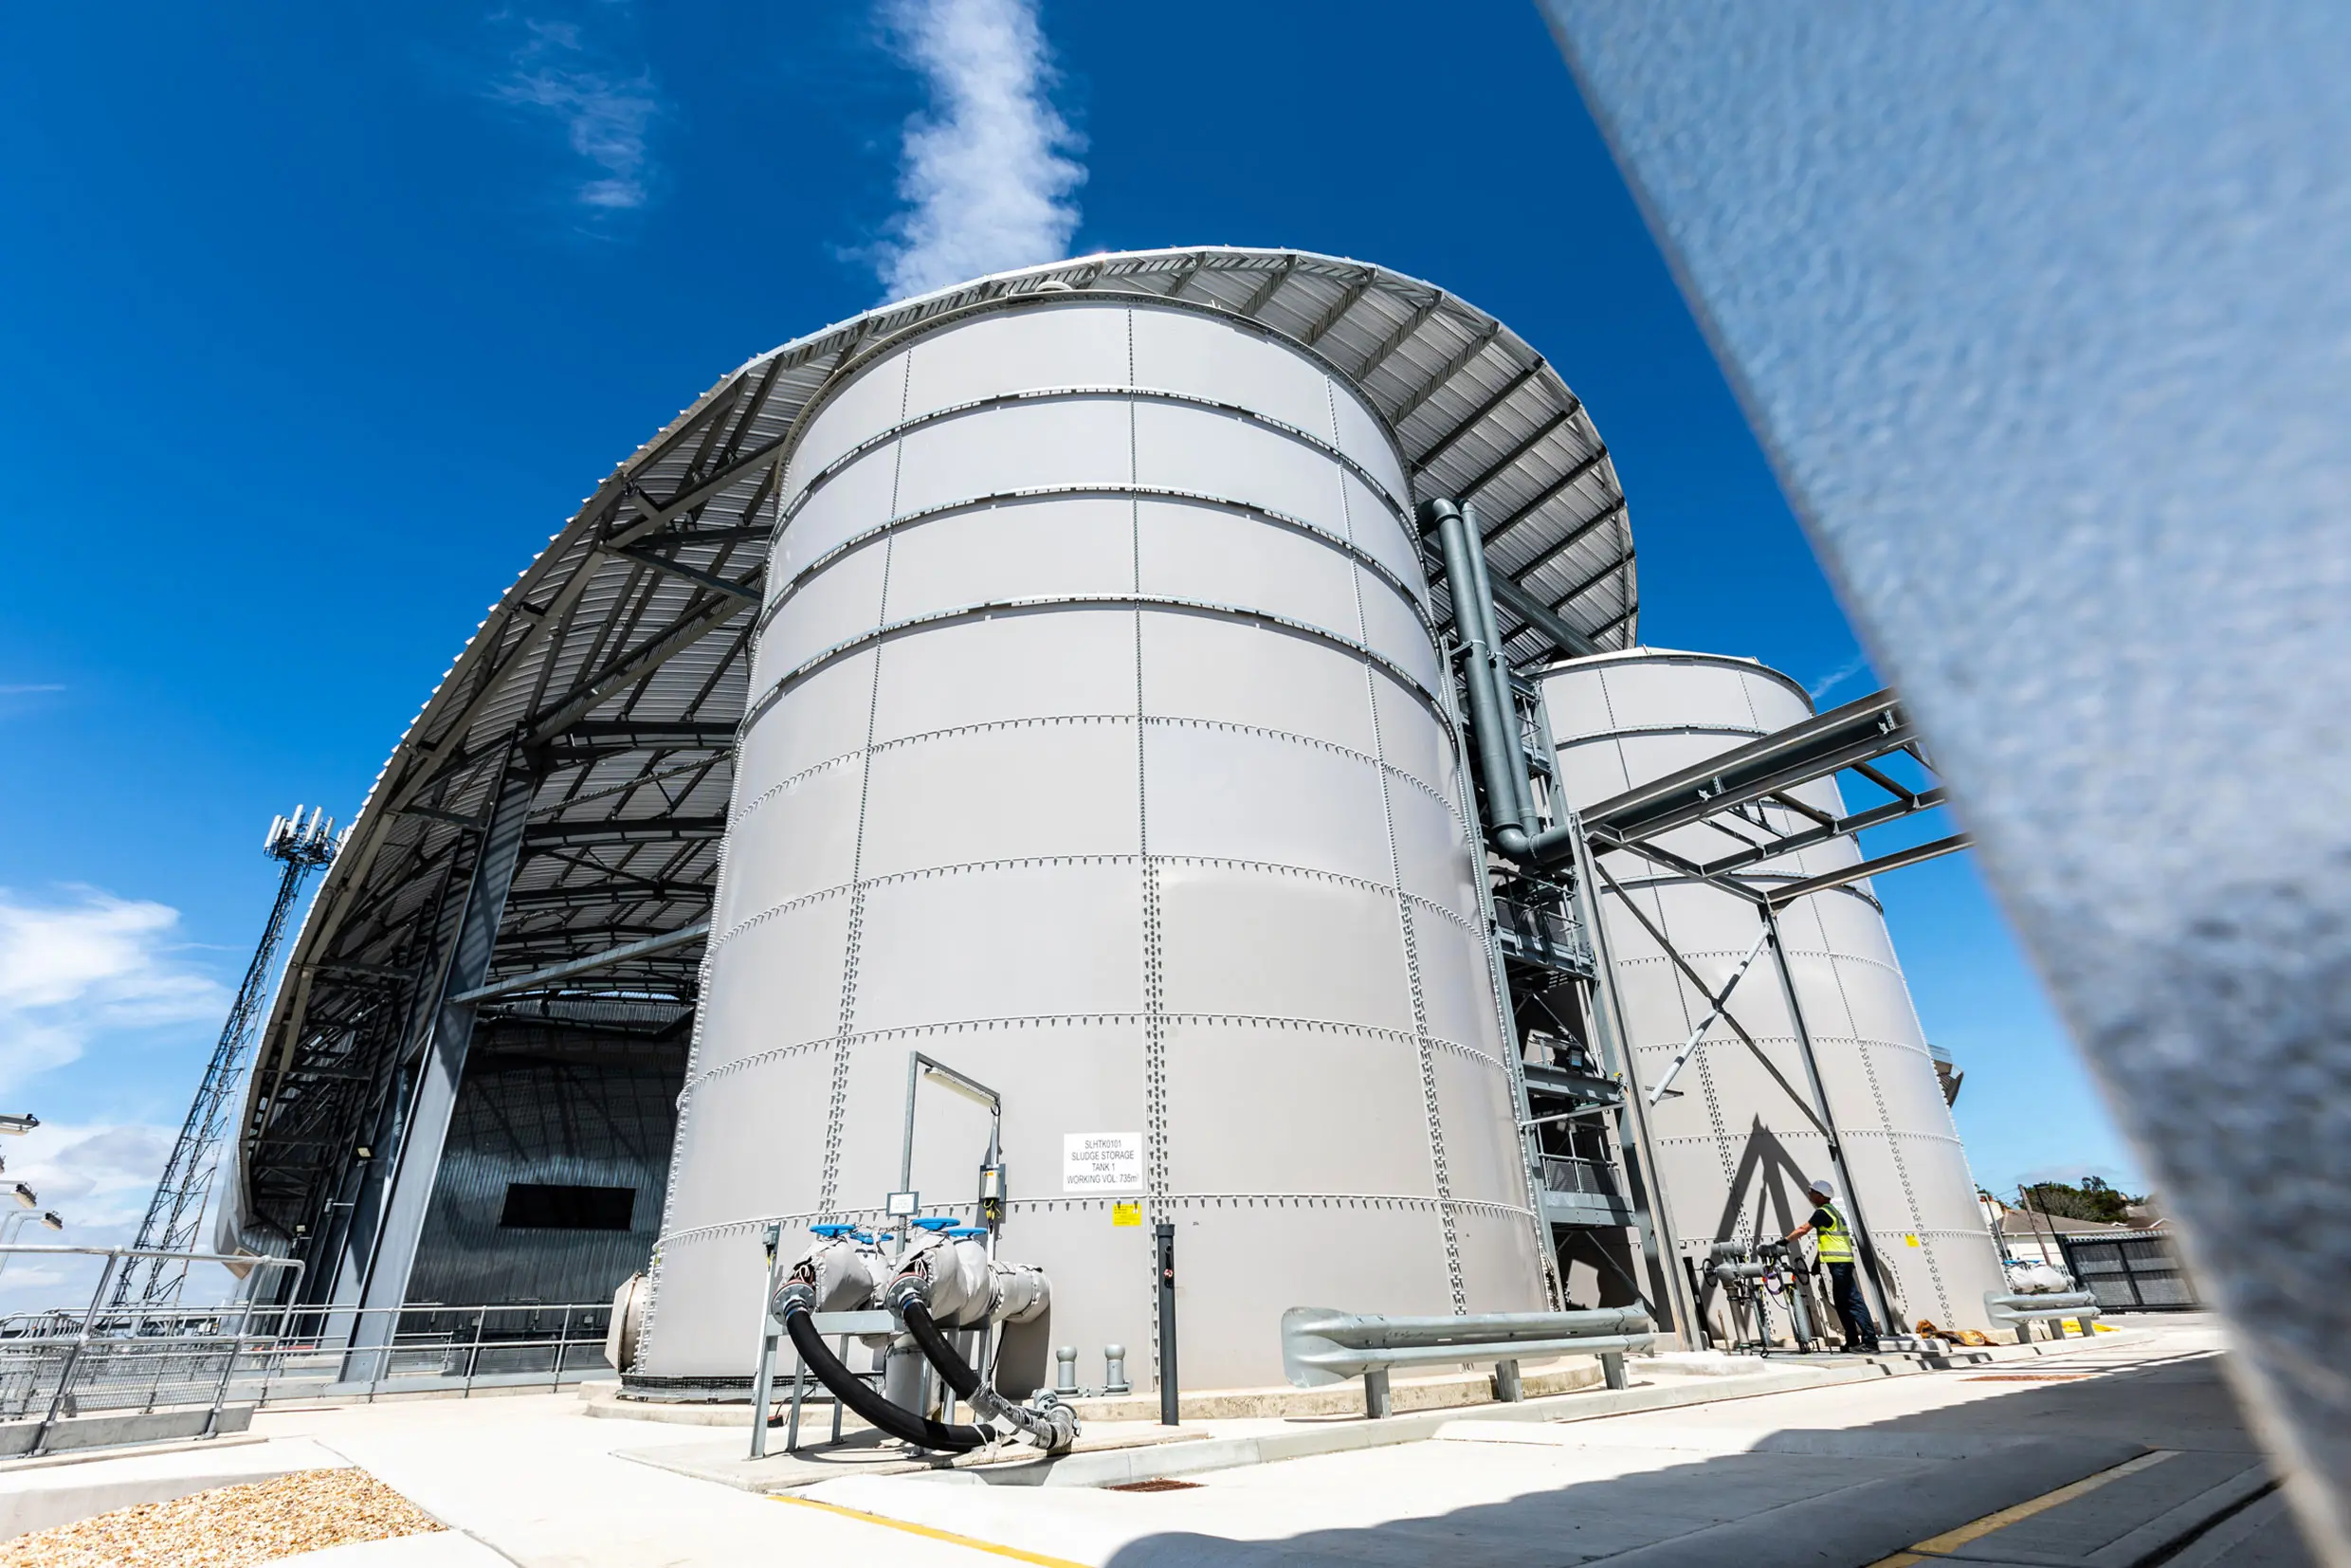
x: 1469, y: 489
x: 657, y: 830
x: 1829, y: 828
x: 598, y: 895
x: 634, y: 667
x: 1477, y: 416
x: 1780, y: 897
x: 1855, y: 733
x: 1540, y: 618
x: 747, y: 588
x: 417, y: 1165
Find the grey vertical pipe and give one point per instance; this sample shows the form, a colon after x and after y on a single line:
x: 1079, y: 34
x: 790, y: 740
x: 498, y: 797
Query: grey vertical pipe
x: 1851, y: 1193
x: 1502, y: 763
x: 1498, y: 672
x: 1495, y: 740
x: 442, y: 1069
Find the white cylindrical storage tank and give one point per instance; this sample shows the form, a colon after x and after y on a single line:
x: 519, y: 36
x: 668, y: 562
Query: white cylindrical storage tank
x: 1734, y: 1146
x: 1097, y: 748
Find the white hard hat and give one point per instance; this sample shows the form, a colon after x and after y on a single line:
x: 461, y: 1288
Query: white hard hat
x: 1826, y: 1189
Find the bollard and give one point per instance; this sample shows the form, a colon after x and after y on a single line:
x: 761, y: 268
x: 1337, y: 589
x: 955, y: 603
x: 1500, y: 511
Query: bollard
x: 1066, y: 1371
x: 1113, y: 1371
x: 1170, y: 1396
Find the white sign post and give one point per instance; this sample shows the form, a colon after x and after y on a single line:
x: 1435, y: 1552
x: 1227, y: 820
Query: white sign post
x: 1102, y: 1162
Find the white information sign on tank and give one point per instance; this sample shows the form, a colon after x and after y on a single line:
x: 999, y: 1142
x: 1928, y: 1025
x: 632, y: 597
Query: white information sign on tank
x: 1102, y: 1162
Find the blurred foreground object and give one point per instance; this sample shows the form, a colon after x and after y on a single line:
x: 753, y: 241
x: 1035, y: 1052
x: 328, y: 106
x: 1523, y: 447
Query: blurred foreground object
x: 2044, y: 316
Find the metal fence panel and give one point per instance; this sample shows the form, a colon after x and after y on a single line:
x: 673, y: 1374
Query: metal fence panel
x: 2130, y: 1274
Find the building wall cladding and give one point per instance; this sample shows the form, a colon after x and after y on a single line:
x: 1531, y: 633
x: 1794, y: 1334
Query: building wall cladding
x: 1734, y: 1146
x: 1097, y: 747
x: 523, y: 1119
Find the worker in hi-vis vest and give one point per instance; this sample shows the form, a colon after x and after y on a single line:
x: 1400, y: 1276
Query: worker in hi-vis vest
x: 1833, y: 1241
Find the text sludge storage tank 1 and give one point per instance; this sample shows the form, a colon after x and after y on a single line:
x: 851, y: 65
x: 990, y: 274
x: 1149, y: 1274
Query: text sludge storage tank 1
x: 1097, y: 747
x: 1734, y: 1145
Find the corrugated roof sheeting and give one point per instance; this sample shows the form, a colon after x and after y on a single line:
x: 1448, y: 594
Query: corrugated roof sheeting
x: 614, y: 671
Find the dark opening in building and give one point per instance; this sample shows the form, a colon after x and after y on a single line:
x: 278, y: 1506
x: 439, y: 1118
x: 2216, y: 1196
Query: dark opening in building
x: 532, y: 1204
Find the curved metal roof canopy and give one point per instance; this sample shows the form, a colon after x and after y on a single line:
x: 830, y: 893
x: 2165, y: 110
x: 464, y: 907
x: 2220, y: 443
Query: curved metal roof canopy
x: 608, y: 681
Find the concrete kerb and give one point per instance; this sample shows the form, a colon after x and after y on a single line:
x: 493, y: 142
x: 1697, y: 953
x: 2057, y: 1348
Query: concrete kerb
x: 41, y: 1497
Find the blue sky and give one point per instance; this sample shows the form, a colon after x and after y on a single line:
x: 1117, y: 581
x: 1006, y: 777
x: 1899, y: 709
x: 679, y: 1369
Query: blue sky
x: 319, y: 321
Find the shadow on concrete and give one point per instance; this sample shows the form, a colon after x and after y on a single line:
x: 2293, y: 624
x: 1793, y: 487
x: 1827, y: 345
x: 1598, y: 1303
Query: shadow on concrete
x: 1833, y: 1495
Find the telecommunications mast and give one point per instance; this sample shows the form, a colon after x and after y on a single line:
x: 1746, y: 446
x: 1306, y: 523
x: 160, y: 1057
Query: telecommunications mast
x: 177, y: 1211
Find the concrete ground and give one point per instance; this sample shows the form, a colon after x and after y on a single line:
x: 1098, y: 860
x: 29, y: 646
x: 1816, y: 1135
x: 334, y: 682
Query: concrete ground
x: 2102, y: 1455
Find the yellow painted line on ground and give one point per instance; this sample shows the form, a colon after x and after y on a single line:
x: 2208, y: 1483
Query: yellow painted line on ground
x: 924, y: 1530
x: 1951, y: 1540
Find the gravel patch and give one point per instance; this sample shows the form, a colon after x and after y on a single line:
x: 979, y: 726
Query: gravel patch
x: 229, y: 1526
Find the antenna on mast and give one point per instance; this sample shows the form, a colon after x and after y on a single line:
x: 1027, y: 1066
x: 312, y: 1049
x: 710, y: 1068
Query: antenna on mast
x: 175, y: 1214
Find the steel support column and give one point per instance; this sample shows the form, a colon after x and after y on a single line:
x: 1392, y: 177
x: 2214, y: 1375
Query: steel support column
x: 441, y: 1071
x: 1850, y: 1191
x: 1661, y: 1246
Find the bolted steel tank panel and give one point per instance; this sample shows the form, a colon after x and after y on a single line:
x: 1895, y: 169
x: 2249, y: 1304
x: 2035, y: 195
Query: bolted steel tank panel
x: 1099, y: 747
x: 1733, y: 1143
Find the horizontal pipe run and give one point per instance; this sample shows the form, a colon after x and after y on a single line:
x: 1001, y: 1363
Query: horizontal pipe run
x: 587, y: 965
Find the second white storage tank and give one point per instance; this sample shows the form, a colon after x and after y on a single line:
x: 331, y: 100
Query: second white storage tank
x: 1735, y: 1145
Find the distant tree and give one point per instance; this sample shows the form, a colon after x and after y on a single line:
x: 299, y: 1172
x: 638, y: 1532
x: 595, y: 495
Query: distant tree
x: 2093, y: 1200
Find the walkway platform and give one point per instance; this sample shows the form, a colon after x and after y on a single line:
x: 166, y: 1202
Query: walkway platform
x: 2122, y: 1451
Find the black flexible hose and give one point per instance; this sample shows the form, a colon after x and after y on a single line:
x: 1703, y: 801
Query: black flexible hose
x: 1053, y: 1430
x: 858, y: 1395
x: 951, y: 1365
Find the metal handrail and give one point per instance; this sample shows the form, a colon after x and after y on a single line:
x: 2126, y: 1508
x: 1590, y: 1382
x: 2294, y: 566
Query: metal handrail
x: 61, y: 1363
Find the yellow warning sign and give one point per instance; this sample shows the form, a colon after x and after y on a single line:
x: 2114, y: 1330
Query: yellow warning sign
x: 1909, y: 1239
x: 1126, y: 1214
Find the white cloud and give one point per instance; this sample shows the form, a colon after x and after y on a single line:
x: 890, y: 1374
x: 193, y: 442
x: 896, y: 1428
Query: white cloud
x: 606, y: 113
x: 1857, y: 665
x: 69, y: 971
x: 984, y: 169
x: 97, y: 1180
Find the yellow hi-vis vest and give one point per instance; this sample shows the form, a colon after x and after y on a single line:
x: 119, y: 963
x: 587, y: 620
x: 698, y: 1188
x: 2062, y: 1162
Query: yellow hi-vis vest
x: 1835, y: 1239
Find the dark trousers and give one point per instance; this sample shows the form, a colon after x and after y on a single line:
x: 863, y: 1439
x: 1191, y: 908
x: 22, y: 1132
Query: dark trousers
x: 1861, y: 1330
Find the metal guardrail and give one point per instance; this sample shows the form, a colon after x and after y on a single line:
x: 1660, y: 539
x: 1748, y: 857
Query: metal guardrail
x: 186, y: 1365
x: 2021, y: 1312
x: 1321, y: 1347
